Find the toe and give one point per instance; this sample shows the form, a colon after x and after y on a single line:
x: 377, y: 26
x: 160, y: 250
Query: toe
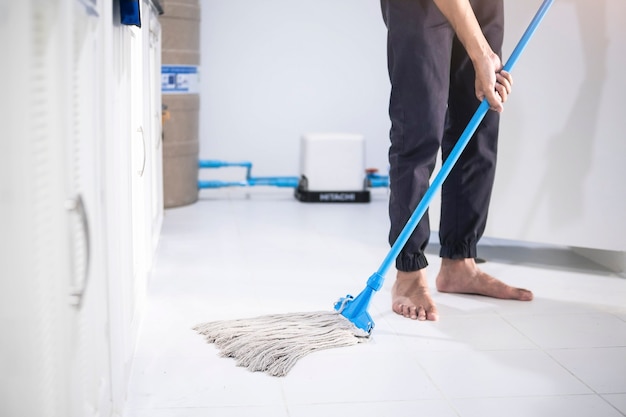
x: 524, y: 295
x: 421, y: 314
x: 432, y: 315
x: 397, y: 308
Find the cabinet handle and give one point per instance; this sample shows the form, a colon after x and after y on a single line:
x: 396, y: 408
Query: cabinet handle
x: 144, y: 150
x: 77, y: 289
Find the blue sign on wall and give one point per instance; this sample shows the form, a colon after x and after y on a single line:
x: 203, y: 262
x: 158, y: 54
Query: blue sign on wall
x: 180, y: 79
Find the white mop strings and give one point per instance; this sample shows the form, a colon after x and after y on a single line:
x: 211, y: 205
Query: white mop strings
x: 274, y: 343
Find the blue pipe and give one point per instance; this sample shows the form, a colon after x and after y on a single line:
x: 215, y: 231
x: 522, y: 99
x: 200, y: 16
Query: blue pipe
x: 355, y: 309
x: 220, y: 184
x: 375, y: 180
x: 287, y: 182
x: 211, y: 163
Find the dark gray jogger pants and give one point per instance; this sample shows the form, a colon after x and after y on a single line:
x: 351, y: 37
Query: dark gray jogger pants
x: 432, y: 100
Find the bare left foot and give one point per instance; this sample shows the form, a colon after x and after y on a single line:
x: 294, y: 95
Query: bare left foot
x: 410, y: 296
x: 462, y: 276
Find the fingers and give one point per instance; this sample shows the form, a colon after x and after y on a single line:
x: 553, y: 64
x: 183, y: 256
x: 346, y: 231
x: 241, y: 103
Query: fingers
x: 504, y: 83
x: 494, y: 99
x: 500, y: 93
x: 505, y: 78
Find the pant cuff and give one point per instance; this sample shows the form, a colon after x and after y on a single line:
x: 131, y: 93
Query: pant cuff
x: 458, y: 251
x: 408, y: 262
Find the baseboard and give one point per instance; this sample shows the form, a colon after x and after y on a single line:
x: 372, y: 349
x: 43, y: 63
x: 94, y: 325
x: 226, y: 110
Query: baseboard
x: 613, y: 260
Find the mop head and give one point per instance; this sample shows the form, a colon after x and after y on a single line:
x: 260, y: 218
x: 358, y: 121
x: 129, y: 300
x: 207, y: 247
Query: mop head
x: 274, y: 343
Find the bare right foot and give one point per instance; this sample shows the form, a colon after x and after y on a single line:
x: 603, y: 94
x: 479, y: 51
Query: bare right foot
x: 410, y: 296
x: 462, y: 276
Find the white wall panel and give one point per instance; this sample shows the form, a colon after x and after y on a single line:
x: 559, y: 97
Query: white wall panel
x: 562, y: 167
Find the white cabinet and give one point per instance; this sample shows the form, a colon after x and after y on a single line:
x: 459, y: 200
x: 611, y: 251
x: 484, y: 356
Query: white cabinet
x: 80, y: 201
x: 36, y: 231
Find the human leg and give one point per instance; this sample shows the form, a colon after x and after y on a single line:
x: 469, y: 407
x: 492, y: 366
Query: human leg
x: 466, y: 193
x: 418, y: 47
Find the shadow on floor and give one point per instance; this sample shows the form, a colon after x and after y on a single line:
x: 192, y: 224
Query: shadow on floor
x: 534, y: 255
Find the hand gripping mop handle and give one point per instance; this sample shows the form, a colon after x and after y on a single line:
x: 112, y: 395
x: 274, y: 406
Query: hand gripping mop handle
x: 355, y: 309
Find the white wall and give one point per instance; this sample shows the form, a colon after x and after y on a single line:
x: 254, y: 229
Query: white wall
x: 562, y: 171
x: 275, y: 69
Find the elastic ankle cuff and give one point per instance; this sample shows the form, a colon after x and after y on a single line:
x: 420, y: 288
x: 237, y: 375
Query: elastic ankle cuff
x: 408, y: 262
x: 458, y: 251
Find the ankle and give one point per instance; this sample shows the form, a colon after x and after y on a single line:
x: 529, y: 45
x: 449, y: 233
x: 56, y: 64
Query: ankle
x: 410, y: 275
x: 457, y: 263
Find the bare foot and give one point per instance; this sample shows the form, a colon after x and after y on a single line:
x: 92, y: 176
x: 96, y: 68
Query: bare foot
x: 410, y: 297
x: 464, y: 277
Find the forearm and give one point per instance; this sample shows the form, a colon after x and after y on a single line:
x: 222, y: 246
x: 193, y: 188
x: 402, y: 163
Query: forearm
x: 461, y: 16
x: 492, y: 83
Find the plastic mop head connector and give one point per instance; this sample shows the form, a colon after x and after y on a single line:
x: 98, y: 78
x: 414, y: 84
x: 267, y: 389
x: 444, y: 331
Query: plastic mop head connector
x: 355, y: 309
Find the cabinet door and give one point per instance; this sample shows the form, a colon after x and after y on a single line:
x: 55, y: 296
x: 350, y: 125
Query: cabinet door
x: 52, y: 295
x: 154, y: 119
x: 34, y: 253
x: 146, y: 165
x: 90, y: 349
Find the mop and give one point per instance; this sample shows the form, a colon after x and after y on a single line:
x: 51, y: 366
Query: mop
x: 274, y: 343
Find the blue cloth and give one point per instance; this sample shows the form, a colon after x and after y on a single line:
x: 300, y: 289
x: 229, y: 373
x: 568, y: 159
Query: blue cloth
x: 130, y: 12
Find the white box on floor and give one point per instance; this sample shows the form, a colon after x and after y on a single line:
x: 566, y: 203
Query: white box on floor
x: 332, y: 169
x: 333, y: 161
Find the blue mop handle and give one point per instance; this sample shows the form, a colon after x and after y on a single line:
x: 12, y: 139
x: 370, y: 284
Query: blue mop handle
x: 458, y: 149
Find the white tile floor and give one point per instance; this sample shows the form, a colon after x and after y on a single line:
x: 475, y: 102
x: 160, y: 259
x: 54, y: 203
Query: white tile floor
x: 239, y: 253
